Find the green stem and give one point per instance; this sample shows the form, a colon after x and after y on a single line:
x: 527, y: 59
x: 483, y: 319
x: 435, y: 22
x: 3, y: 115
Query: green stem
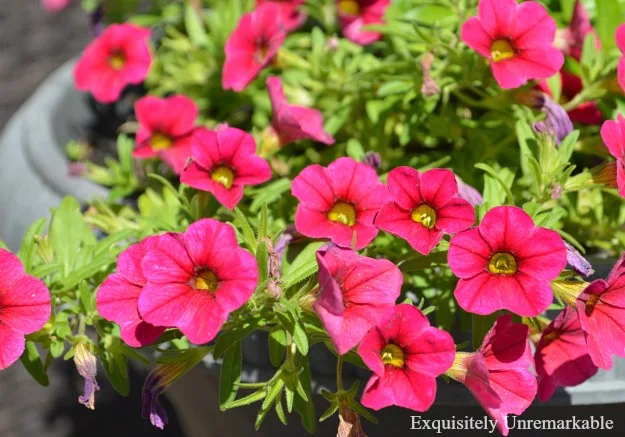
x: 339, y: 374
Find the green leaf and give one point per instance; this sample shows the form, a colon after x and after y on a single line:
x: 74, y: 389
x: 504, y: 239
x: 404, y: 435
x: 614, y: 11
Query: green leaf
x: 280, y: 412
x: 28, y: 250
x: 57, y: 348
x: 277, y: 346
x: 195, y: 27
x: 116, y: 370
x: 254, y: 397
x: 362, y: 411
x: 262, y: 223
x: 333, y: 408
x: 304, y: 265
x: 64, y: 235
x: 300, y: 339
x: 422, y: 262
x: 228, y: 338
x: 274, y: 391
x: 609, y: 17
x: 230, y: 374
x: 355, y: 150
x: 32, y: 363
x: 262, y: 258
x: 480, y: 325
x: 248, y: 232
x: 495, y: 183
x: 303, y: 404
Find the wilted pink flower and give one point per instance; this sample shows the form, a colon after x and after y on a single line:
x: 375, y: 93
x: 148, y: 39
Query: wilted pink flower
x: 406, y: 355
x: 355, y: 14
x: 339, y: 202
x: 577, y: 261
x: 290, y: 12
x: 55, y: 5
x: 613, y: 135
x: 24, y: 307
x: 224, y: 163
x: 86, y: 364
x: 571, y: 39
x: 117, y: 58
x: 561, y: 357
x: 506, y: 263
x: 516, y: 38
x: 118, y: 296
x: 196, y: 279
x: 293, y: 123
x: 355, y: 294
x: 469, y: 193
x: 252, y: 46
x: 601, y: 311
x: 498, y: 374
x: 165, y: 129
x: 424, y: 207
x: 620, y: 41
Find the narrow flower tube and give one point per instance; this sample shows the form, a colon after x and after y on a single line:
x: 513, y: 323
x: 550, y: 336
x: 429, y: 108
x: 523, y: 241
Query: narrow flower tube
x: 86, y: 364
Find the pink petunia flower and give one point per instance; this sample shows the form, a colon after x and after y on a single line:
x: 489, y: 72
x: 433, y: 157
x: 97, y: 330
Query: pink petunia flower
x: 506, y: 263
x: 339, y: 202
x: 613, y: 135
x: 55, y: 5
x: 620, y: 42
x: 252, y: 46
x: 293, y: 123
x: 290, y: 12
x: 498, y: 374
x: 355, y: 294
x: 601, y: 311
x: 424, y: 207
x: 561, y: 357
x: 224, y: 163
x: 165, y: 129
x: 118, y: 296
x: 24, y: 307
x: 406, y: 355
x: 355, y: 14
x: 117, y: 58
x: 196, y: 279
x: 516, y: 38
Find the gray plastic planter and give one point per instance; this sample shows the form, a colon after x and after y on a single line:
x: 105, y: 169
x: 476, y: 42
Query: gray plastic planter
x: 34, y: 178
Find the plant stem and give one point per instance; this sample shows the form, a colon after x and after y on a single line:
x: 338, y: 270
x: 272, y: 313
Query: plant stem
x: 339, y: 374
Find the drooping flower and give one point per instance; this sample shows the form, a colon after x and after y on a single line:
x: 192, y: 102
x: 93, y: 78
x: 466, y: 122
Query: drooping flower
x: 356, y: 293
x: 571, y: 39
x: 355, y: 14
x: 373, y: 160
x: 561, y: 357
x: 516, y: 38
x: 469, y: 193
x: 223, y: 163
x: 161, y: 378
x: 290, y: 12
x: 252, y: 46
x: 620, y: 41
x: 406, y: 355
x: 601, y: 311
x: 339, y: 202
x: 577, y: 261
x: 117, y: 58
x: 24, y: 307
x: 196, y: 279
x: 86, y: 364
x: 118, y: 296
x: 506, y: 263
x: 613, y: 135
x: 55, y: 5
x: 424, y: 207
x: 558, y: 123
x: 165, y: 129
x: 498, y: 374
x: 293, y: 123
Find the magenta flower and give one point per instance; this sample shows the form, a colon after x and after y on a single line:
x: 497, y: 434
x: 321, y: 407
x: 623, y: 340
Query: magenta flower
x: 516, y: 38
x: 118, y: 296
x: 356, y: 293
x: 224, y: 163
x: 252, y: 46
x: 290, y: 12
x: 293, y: 123
x: 196, y: 279
x: 406, y: 355
x: 55, y: 5
x: 339, y: 202
x: 355, y: 14
x: 24, y: 307
x: 498, y: 374
x: 165, y: 129
x: 424, y: 207
x: 620, y: 41
x: 601, y: 311
x: 117, y: 58
x: 506, y: 263
x: 561, y: 357
x: 613, y: 135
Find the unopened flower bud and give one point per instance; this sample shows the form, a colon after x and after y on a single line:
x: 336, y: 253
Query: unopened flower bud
x: 86, y: 364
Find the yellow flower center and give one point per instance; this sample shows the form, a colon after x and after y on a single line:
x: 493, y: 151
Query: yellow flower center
x: 117, y: 61
x: 160, y: 141
x: 425, y: 215
x: 349, y: 7
x: 206, y: 280
x: 224, y: 176
x: 591, y: 303
x: 342, y: 212
x: 502, y: 264
x: 393, y: 355
x: 501, y: 50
